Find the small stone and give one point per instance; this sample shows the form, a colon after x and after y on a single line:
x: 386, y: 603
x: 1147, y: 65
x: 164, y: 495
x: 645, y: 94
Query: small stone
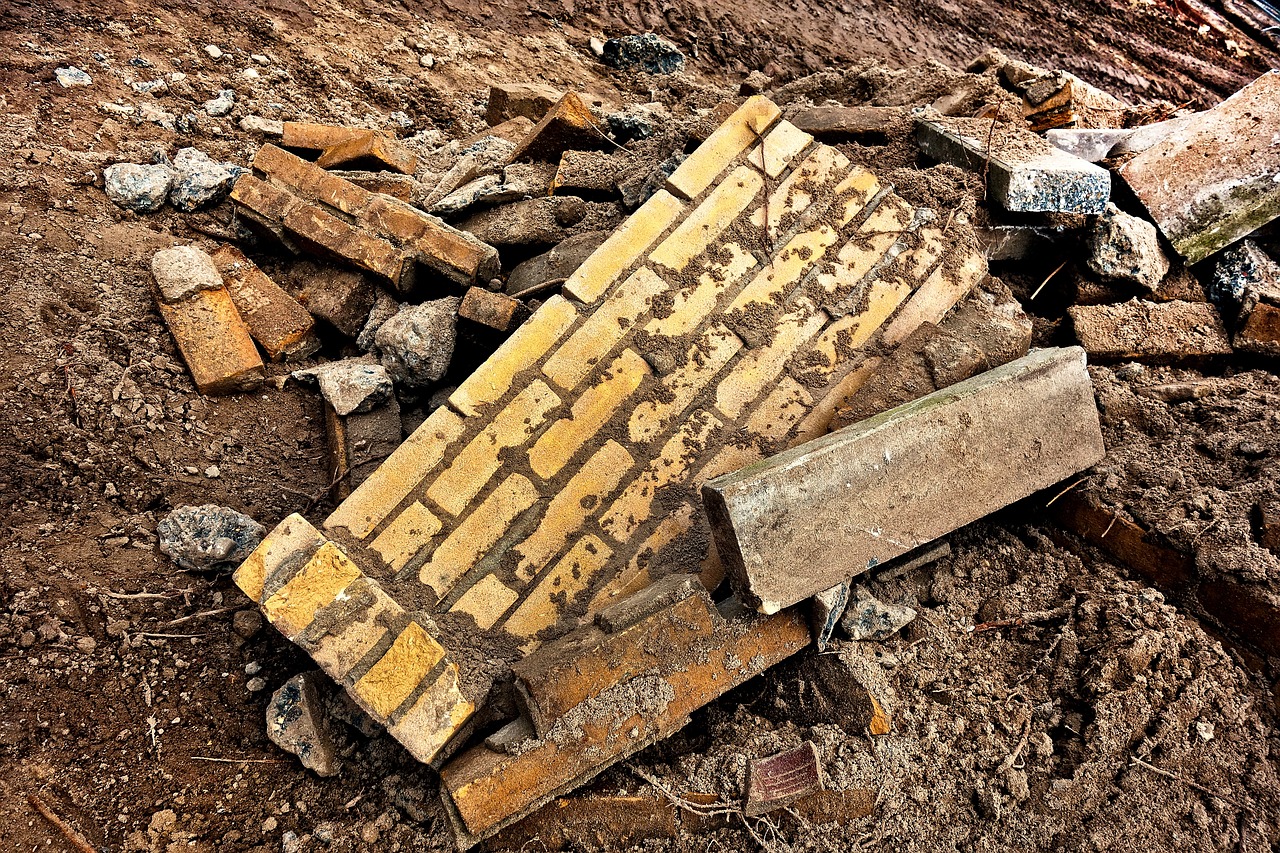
x: 256, y: 684
x: 87, y: 645
x: 297, y: 723
x: 222, y: 104
x: 427, y: 61
x: 252, y: 668
x: 269, y: 825
x: 213, y: 472
x: 139, y: 188
x: 214, y: 51
x: 596, y: 45
x: 265, y: 126
x: 350, y: 385
x: 246, y: 623
x: 868, y: 618
x: 646, y: 52
x: 417, y: 343
x: 181, y: 271
x: 208, y: 537
x: 150, y: 87
x: 1127, y: 248
x: 200, y: 181
x: 1204, y: 731
x: 72, y: 76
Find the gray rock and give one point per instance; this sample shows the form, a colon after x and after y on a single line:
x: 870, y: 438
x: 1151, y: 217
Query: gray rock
x: 1090, y: 145
x: 222, y: 104
x: 868, y: 618
x: 646, y: 52
x: 199, y: 180
x: 150, y: 87
x: 384, y: 308
x: 417, y: 343
x: 825, y: 610
x: 350, y: 385
x: 1127, y: 248
x: 297, y: 723
x: 208, y: 537
x: 265, y: 126
x: 182, y: 270
x: 72, y: 76
x: 1243, y: 269
x: 555, y: 266
x: 138, y: 188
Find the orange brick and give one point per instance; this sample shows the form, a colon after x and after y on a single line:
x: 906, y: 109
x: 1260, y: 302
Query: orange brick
x: 293, y: 607
x: 401, y: 540
x: 572, y: 505
x: 399, y: 221
x: 759, y: 368
x: 704, y: 360
x: 265, y: 204
x: 328, y: 232
x: 742, y: 130
x: 437, y: 715
x: 704, y: 225
x: 605, y: 327
x: 780, y: 148
x: 477, y: 533
x: 495, y: 310
x: 940, y: 292
x: 530, y: 342
x: 634, y: 506
x: 369, y: 150
x: 636, y: 576
x: 623, y: 247
x: 291, y: 538
x: 275, y: 319
x: 392, y: 679
x: 342, y: 647
x: 486, y: 601
x: 590, y: 412
x: 569, y: 124
x: 691, y: 306
x: 469, y: 471
x: 543, y: 605
x: 309, y: 181
x: 214, y: 341
x: 310, y: 136
x: 455, y: 254
x: 395, y: 478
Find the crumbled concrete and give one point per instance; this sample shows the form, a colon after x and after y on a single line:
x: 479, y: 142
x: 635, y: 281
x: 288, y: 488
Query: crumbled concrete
x: 297, y: 723
x: 417, y: 343
x: 140, y: 188
x: 200, y: 181
x: 869, y: 618
x: 182, y: 270
x: 208, y: 537
x: 350, y: 385
x: 1127, y: 248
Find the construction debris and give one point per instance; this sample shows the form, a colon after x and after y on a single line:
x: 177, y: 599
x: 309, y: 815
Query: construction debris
x: 371, y: 151
x: 1127, y: 248
x: 209, y: 537
x: 779, y: 780
x: 298, y: 723
x: 277, y: 321
x: 1171, y: 331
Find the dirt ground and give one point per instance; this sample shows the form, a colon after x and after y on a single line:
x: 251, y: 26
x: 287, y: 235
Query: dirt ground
x: 1119, y: 723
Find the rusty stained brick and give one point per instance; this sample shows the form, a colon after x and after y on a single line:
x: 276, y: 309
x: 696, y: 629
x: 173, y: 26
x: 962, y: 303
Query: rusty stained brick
x: 214, y: 342
x: 568, y: 124
x: 495, y: 310
x: 371, y: 151
x: 275, y: 319
x: 313, y: 137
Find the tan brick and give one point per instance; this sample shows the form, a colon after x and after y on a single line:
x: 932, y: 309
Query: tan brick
x: 883, y: 228
x: 732, y: 457
x: 328, y: 232
x: 275, y: 319
x: 574, y: 573
x: 780, y: 148
x: 309, y: 181
x: 568, y: 124
x: 293, y: 536
x: 634, y: 506
x: 572, y: 505
x: 612, y: 319
x: 856, y: 192
x: 486, y: 601
x: 814, y: 176
x: 636, y: 576
x: 771, y: 286
x: 742, y: 130
x: 786, y: 405
x: 214, y: 341
x: 760, y: 367
x: 691, y: 306
x: 590, y: 412
x: 370, y: 150
x: 530, y: 342
x: 817, y: 422
x: 704, y: 225
x: 396, y: 220
x: 340, y: 649
x: 292, y: 607
x: 309, y: 136
x: 495, y: 310
x: 437, y: 715
x: 940, y: 292
x: 704, y: 360
x: 399, y: 475
x: 393, y: 678
x: 623, y: 247
x: 470, y: 470
x: 477, y: 533
x: 401, y: 540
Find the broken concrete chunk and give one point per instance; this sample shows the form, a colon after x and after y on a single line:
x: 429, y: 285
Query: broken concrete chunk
x: 593, y: 173
x: 384, y: 308
x: 524, y: 100
x: 417, y: 343
x: 370, y: 151
x: 539, y: 221
x: 182, y: 270
x: 351, y: 385
x: 1090, y: 145
x: 779, y: 780
x: 825, y: 610
x: 1244, y: 271
x: 869, y: 618
x: 277, y: 321
x: 1141, y: 138
x: 208, y: 538
x: 794, y: 525
x: 266, y: 126
x: 567, y: 125
x: 1213, y: 181
x: 297, y: 723
x: 199, y: 180
x: 1127, y: 248
x: 1024, y: 173
x: 486, y: 190
x: 138, y: 188
x: 495, y: 310
x: 1168, y: 331
x: 646, y: 52
x: 553, y: 267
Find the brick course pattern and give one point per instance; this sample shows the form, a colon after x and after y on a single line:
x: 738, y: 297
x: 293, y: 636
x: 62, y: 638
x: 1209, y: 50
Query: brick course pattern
x: 723, y: 322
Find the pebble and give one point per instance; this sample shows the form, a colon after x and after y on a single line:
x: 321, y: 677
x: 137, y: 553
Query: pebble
x: 87, y: 645
x: 213, y: 472
x: 151, y: 87
x: 208, y: 537
x: 72, y: 76
x: 256, y: 684
x: 252, y: 668
x: 138, y: 188
x: 246, y: 623
x: 214, y: 51
x: 222, y: 104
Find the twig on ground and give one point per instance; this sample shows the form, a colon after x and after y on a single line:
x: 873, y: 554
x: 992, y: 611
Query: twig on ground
x: 1064, y: 491
x: 75, y: 839
x: 240, y: 760
x: 151, y: 636
x: 1047, y: 280
x: 201, y: 615
x: 130, y: 595
x: 1114, y: 518
x: 1184, y: 780
x: 1030, y: 618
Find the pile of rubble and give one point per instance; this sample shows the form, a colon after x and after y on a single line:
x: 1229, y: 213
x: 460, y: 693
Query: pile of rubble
x: 676, y: 381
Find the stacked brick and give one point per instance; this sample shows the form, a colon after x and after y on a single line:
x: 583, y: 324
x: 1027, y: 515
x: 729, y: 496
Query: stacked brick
x: 725, y: 320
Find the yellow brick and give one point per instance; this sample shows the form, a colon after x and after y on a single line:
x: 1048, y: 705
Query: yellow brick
x: 292, y: 536
x: 787, y: 403
x: 596, y: 405
x: 406, y: 536
x: 338, y: 652
x: 522, y: 350
x: 293, y: 607
x: 759, y: 368
x: 574, y: 573
x: 818, y: 422
x: 813, y: 177
x: 390, y: 681
x: 633, y: 507
x: 486, y: 601
x: 704, y: 360
x: 740, y: 131
x: 780, y: 148
x: 572, y: 505
x: 477, y: 533
x: 623, y: 248
x: 882, y: 230
x: 605, y: 327
x: 691, y: 306
x: 701, y: 227
x: 731, y: 458
x: 855, y: 191
x: 438, y: 714
x: 636, y: 576
x: 397, y: 476
x: 940, y: 292
x: 851, y: 331
x: 471, y: 468
x: 772, y: 284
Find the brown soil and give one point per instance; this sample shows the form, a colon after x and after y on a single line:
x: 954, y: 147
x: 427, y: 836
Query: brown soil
x: 118, y: 692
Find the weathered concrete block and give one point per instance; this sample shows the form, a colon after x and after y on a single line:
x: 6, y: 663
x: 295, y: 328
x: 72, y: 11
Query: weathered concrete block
x: 844, y: 123
x: 1127, y: 248
x: 1214, y: 180
x: 1024, y: 173
x: 1159, y: 330
x: 1090, y: 145
x: 795, y: 524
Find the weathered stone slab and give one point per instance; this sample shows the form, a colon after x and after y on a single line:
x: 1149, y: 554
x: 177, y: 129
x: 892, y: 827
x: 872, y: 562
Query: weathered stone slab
x: 795, y: 524
x: 1214, y: 180
x: 1024, y: 173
